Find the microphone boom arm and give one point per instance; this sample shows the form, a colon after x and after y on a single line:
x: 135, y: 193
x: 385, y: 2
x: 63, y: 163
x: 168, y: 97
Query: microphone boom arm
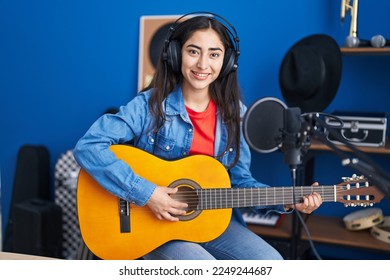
x: 359, y: 161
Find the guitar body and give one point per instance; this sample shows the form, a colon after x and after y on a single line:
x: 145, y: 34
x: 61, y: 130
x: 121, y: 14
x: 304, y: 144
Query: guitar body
x: 99, y: 215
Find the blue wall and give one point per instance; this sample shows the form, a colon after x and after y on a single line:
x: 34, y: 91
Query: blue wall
x: 63, y: 63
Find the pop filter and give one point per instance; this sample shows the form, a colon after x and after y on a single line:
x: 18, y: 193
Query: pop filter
x: 263, y: 124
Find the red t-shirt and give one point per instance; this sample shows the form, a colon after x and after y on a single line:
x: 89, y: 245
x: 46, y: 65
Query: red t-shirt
x: 204, y: 130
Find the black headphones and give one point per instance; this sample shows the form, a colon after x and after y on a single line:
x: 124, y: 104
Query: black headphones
x: 172, y: 48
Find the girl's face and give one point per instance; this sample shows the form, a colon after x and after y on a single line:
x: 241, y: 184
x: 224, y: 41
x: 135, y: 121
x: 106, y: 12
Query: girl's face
x: 202, y: 59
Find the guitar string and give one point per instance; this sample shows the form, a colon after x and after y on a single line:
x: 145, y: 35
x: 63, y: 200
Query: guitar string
x: 213, y: 201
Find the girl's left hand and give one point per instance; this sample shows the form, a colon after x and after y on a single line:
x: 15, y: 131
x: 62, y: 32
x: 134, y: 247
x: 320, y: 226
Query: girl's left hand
x: 310, y: 202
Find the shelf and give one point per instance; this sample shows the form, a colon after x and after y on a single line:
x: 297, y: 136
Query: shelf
x: 331, y: 230
x: 326, y: 230
x: 318, y: 146
x: 365, y: 51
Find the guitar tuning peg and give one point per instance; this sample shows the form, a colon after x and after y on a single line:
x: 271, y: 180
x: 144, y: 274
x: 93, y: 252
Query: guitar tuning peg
x: 354, y: 177
x: 345, y: 179
x: 358, y: 178
x: 350, y: 204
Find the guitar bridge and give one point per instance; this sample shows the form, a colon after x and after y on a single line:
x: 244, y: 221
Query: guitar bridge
x: 124, y: 215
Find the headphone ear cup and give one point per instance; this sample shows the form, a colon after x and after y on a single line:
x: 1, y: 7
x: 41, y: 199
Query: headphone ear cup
x: 174, y: 55
x: 229, y: 62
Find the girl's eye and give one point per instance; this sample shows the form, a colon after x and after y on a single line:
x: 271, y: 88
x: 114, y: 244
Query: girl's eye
x: 193, y: 52
x: 215, y: 55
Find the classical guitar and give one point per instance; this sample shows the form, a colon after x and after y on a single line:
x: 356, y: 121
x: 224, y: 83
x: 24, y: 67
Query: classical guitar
x: 115, y: 229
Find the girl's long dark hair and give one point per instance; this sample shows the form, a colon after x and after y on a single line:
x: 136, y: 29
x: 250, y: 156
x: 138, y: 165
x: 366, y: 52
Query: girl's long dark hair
x: 224, y: 91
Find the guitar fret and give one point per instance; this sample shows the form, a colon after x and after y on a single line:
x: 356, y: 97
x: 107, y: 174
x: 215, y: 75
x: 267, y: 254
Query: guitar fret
x: 232, y: 198
x: 203, y: 201
x: 218, y: 199
x: 242, y: 195
x: 200, y: 195
x: 215, y: 199
x: 238, y: 196
x: 226, y: 205
x: 274, y: 194
x: 251, y: 196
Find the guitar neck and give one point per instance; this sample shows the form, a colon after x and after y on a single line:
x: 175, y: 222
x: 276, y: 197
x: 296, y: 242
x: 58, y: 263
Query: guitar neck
x: 248, y: 197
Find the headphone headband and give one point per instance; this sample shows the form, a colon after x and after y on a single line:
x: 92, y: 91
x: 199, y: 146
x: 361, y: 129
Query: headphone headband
x: 232, y: 31
x: 172, y: 48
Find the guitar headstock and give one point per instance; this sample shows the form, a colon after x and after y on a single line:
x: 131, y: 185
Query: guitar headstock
x: 356, y: 191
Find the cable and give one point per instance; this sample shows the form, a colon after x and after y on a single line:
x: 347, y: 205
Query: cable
x: 312, y: 246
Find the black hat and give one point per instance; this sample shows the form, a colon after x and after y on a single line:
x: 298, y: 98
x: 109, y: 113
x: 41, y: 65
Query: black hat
x: 310, y: 73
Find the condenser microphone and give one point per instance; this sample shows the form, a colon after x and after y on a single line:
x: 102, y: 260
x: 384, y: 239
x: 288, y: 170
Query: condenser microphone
x: 355, y: 42
x: 378, y: 41
x: 291, y: 137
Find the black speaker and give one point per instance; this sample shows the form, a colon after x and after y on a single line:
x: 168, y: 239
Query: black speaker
x: 172, y: 48
x: 37, y: 228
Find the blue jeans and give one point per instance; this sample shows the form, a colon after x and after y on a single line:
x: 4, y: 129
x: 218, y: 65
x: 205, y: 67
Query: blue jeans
x: 236, y: 243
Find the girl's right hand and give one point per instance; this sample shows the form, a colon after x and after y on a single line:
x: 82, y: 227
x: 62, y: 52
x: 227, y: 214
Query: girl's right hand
x: 164, y: 207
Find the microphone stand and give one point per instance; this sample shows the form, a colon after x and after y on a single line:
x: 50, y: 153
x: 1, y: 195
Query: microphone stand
x: 293, y: 142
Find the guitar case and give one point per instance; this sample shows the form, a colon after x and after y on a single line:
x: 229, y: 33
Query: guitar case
x: 66, y: 173
x: 40, y: 220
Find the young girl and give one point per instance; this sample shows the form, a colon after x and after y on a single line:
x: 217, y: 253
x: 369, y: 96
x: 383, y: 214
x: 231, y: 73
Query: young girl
x: 191, y: 107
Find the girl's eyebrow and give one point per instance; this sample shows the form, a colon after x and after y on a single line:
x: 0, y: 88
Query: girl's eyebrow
x: 199, y: 48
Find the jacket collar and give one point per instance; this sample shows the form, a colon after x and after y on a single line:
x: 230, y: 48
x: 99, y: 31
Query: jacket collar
x: 174, y: 103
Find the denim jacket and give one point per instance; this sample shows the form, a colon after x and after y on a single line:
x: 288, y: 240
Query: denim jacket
x: 134, y: 121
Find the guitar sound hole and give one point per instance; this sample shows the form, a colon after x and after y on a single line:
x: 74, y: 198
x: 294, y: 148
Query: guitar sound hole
x: 189, y: 196
x: 187, y: 193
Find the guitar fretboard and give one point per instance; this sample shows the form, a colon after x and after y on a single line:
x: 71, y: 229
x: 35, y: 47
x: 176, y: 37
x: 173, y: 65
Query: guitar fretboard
x: 247, y: 197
